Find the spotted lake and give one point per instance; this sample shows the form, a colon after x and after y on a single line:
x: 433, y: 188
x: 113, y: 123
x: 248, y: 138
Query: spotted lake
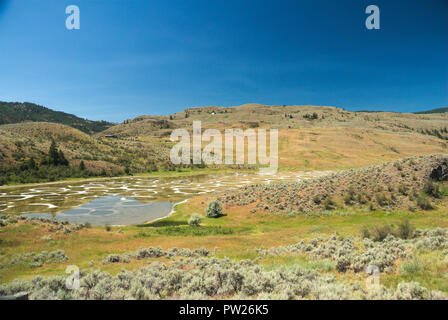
x: 123, y: 201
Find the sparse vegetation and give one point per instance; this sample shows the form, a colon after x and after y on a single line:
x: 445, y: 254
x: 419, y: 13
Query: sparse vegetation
x: 201, y: 278
x: 356, y: 187
x: 404, y: 230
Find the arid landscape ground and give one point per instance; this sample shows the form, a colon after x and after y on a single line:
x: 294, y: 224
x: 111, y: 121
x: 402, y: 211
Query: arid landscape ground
x: 354, y: 189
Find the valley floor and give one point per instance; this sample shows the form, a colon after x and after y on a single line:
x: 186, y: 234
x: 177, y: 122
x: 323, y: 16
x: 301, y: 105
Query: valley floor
x: 238, y: 235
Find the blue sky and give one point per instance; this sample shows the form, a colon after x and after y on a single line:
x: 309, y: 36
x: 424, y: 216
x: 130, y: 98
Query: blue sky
x: 134, y: 57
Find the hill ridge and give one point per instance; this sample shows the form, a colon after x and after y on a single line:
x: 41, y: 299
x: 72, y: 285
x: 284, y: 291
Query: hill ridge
x: 18, y: 112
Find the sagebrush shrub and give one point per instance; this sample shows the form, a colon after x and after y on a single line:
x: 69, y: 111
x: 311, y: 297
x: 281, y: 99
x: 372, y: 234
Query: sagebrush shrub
x: 405, y: 230
x: 424, y: 203
x: 214, y: 209
x: 203, y: 278
x: 432, y: 189
x: 195, y: 220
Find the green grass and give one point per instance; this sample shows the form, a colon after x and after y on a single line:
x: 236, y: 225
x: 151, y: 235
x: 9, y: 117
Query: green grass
x: 189, y: 231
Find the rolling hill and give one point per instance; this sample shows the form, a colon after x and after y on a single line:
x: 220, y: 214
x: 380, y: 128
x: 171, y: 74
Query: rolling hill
x: 310, y: 137
x: 21, y: 141
x: 15, y: 112
x: 438, y: 110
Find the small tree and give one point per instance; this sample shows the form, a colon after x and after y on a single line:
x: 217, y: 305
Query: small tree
x: 56, y: 157
x: 214, y: 209
x: 61, y: 159
x: 53, y: 155
x: 432, y: 189
x: 195, y: 220
x: 82, y: 166
x: 31, y: 164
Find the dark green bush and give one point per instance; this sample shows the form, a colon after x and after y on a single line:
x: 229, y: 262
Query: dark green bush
x: 329, y: 204
x: 424, y: 203
x: 432, y: 189
x: 214, y: 209
x: 405, y: 230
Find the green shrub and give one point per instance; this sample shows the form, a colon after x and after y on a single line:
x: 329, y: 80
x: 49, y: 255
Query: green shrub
x: 365, y: 233
x: 329, y: 204
x: 382, y: 199
x: 214, y: 209
x: 403, y: 189
x: 411, y: 267
x: 432, y: 189
x: 379, y: 233
x: 350, y: 196
x: 424, y: 203
x: 195, y: 220
x: 405, y: 230
x: 361, y: 198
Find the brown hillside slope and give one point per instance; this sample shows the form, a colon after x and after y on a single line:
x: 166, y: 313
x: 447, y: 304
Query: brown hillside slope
x: 24, y: 140
x: 336, y: 148
x: 337, y: 139
x: 298, y: 117
x: 392, y: 185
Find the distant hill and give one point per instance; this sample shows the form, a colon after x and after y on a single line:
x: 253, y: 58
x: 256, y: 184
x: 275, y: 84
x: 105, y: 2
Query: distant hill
x: 310, y: 137
x: 16, y: 112
x: 141, y: 126
x: 438, y: 110
x: 21, y: 141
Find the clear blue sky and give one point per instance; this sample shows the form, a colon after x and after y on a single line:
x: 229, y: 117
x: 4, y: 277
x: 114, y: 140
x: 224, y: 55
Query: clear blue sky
x: 134, y: 57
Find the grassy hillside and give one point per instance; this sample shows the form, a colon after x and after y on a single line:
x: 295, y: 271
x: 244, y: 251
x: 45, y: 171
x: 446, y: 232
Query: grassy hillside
x: 141, y: 127
x: 19, y: 142
x: 438, y: 110
x: 406, y: 184
x: 15, y: 112
x: 310, y: 137
x: 309, y: 117
x: 282, y: 117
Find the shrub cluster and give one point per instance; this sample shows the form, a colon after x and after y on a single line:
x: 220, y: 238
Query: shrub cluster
x: 195, y: 220
x: 404, y: 230
x: 433, y: 239
x: 347, y: 255
x: 156, y: 252
x: 35, y: 260
x: 404, y: 180
x: 53, y: 224
x: 205, y: 278
x: 214, y: 209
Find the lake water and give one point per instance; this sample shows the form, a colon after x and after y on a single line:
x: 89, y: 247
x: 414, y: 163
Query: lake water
x: 113, y: 210
x: 124, y: 201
